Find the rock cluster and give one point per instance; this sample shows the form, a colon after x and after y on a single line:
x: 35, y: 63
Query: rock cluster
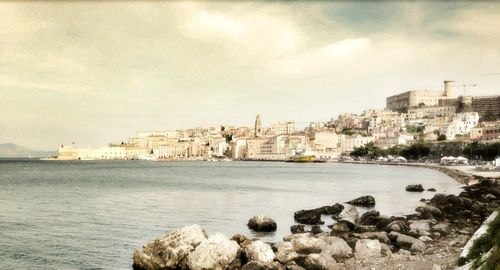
x: 353, y: 241
x: 313, y: 216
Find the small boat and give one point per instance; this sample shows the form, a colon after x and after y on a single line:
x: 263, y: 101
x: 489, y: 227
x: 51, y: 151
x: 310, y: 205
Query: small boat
x: 305, y: 157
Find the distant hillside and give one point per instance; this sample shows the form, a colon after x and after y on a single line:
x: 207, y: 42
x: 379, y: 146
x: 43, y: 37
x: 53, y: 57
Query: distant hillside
x: 10, y: 150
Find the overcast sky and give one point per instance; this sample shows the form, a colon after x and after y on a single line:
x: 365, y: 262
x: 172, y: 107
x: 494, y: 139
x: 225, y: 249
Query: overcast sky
x: 95, y: 72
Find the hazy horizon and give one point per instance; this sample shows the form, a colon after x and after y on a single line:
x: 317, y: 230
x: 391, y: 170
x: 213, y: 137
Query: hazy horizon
x: 97, y: 72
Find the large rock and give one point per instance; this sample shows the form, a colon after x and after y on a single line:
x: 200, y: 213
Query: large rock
x: 341, y: 227
x: 415, y: 188
x: 336, y: 247
x: 259, y: 251
x: 407, y: 242
x: 285, y: 252
x: 311, y: 217
x: 366, y: 201
x: 307, y: 245
x: 380, y: 236
x: 330, y: 210
x: 319, y: 261
x: 255, y: 265
x: 442, y: 228
x: 420, y: 227
x: 398, y: 225
x: 262, y: 224
x: 242, y: 240
x: 216, y: 252
x: 316, y: 229
x: 429, y: 211
x: 349, y: 214
x: 297, y: 228
x: 369, y: 217
x: 170, y: 250
x: 366, y: 248
x: 365, y: 228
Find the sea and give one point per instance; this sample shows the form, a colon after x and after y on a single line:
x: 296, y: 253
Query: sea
x: 94, y: 214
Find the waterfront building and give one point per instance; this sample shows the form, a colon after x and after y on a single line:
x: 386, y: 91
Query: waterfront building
x: 220, y: 148
x: 254, y: 147
x: 239, y: 149
x: 325, y: 144
x: 69, y: 152
x: 133, y: 151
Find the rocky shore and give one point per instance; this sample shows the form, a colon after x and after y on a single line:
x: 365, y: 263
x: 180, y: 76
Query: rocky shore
x: 431, y: 238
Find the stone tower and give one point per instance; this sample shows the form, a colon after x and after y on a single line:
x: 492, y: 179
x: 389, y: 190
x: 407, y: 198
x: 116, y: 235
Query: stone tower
x: 449, y: 91
x: 258, y: 126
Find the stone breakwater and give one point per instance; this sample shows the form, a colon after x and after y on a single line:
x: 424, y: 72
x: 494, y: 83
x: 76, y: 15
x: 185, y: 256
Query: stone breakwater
x: 430, y: 238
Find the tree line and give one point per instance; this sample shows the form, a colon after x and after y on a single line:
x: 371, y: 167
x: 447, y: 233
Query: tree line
x: 422, y: 149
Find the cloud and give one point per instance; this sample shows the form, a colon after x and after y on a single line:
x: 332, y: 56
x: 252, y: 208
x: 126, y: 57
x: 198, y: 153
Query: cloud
x: 330, y: 57
x: 244, y: 30
x: 9, y: 83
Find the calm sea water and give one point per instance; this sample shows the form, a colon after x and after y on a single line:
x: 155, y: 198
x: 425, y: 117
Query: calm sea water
x: 92, y: 215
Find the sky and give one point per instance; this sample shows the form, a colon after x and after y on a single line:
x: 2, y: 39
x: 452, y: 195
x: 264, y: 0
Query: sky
x: 96, y: 72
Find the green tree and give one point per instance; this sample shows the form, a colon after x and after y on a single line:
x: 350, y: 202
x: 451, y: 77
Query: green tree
x: 416, y: 150
x: 484, y: 151
x: 370, y: 150
x: 411, y: 129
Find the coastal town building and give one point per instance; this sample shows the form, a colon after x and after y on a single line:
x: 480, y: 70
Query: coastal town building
x: 430, y: 112
x: 325, y: 144
x: 486, y: 131
x: 283, y: 128
x: 348, y: 143
x: 388, y: 142
x: 419, y: 98
x: 461, y: 124
x: 485, y: 106
x: 73, y: 152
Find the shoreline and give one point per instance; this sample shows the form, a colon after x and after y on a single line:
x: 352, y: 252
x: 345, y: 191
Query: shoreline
x: 432, y: 237
x: 460, y: 176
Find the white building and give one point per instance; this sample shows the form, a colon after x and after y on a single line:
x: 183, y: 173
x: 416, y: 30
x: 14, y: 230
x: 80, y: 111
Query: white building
x: 347, y: 143
x: 462, y: 124
x: 283, y: 128
x: 239, y: 147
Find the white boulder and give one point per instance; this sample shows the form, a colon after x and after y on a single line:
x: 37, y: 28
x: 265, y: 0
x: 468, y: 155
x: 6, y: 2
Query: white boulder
x: 215, y: 253
x: 366, y: 248
x: 259, y: 251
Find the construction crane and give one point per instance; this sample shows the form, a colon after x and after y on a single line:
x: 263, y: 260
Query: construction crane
x: 468, y: 85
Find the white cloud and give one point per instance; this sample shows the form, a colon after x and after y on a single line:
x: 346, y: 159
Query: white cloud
x: 328, y: 58
x: 245, y: 31
x: 10, y: 83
